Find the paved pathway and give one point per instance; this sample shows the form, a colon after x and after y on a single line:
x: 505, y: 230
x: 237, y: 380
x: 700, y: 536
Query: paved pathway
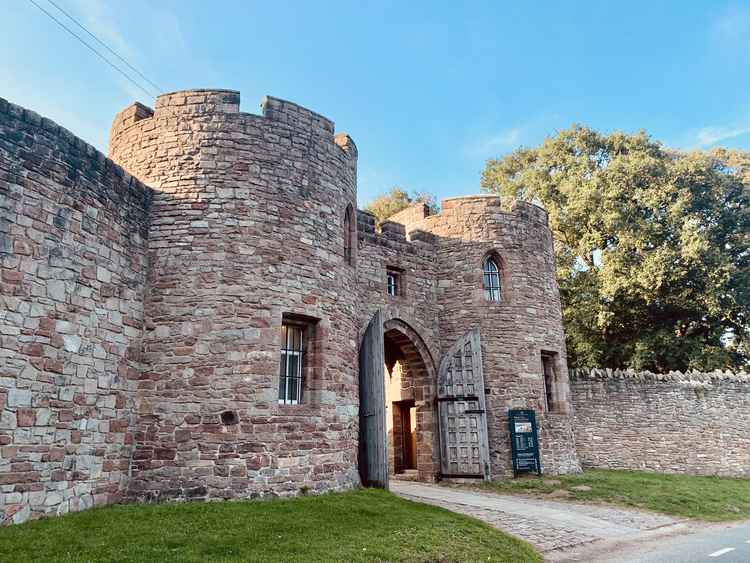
x: 547, y: 525
x: 709, y: 543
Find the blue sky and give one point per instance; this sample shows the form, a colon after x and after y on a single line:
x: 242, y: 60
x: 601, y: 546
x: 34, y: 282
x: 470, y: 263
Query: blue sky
x: 428, y: 90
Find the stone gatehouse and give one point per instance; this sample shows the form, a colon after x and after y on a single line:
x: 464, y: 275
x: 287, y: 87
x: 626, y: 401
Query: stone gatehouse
x: 206, y: 314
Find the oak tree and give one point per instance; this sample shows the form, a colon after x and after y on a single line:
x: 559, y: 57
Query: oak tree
x: 652, y: 246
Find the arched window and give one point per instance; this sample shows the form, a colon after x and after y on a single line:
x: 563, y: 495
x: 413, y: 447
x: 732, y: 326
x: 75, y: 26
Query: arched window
x: 491, y: 277
x: 348, y: 235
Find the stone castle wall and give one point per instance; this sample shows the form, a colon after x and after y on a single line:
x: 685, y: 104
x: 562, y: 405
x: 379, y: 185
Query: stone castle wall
x: 694, y: 423
x: 73, y: 237
x: 140, y: 321
x: 247, y: 225
x: 140, y: 327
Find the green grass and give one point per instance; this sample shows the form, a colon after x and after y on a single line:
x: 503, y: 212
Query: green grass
x: 362, y: 525
x: 707, y: 498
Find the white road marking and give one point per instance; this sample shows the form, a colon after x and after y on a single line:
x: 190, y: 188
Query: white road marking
x: 721, y: 552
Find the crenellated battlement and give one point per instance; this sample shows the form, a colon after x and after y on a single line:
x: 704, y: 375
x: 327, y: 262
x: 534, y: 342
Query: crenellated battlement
x: 225, y: 106
x: 484, y: 211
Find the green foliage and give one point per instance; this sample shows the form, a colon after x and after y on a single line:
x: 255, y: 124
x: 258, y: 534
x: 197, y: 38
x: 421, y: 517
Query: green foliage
x: 363, y: 525
x: 386, y: 205
x: 714, y: 499
x: 652, y: 247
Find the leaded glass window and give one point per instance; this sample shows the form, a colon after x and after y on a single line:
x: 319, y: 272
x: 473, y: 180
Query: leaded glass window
x: 491, y: 276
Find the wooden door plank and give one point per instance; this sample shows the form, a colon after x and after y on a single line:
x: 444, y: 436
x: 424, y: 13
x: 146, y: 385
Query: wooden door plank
x: 373, y: 446
x: 462, y: 409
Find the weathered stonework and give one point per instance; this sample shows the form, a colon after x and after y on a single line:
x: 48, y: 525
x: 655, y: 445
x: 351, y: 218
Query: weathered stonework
x: 73, y: 236
x: 694, y: 423
x: 141, y: 317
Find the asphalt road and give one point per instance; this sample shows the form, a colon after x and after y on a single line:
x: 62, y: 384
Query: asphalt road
x: 728, y: 543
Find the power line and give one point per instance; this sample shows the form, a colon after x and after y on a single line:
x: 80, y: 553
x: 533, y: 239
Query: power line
x: 97, y: 53
x: 103, y: 44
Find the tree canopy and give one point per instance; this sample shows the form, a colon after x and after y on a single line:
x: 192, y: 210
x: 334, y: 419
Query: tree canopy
x: 652, y: 246
x: 386, y: 205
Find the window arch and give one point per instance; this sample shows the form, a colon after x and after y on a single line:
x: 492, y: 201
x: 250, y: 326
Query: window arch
x: 349, y: 235
x: 491, y: 279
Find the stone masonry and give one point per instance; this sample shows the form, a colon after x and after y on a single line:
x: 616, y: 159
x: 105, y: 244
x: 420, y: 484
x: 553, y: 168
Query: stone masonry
x: 694, y: 423
x: 73, y: 232
x: 143, y: 297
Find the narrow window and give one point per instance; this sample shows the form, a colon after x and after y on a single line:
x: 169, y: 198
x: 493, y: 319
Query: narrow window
x: 292, y: 358
x: 348, y: 236
x: 548, y: 367
x: 491, y: 279
x: 392, y: 283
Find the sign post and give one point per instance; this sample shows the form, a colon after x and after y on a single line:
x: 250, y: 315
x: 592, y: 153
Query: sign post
x: 525, y: 441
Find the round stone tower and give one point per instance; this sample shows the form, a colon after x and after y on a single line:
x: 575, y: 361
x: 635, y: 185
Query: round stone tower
x: 520, y: 332
x: 252, y: 228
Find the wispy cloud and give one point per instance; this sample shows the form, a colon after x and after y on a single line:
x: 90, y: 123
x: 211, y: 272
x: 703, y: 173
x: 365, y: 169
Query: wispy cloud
x: 487, y: 145
x: 99, y: 18
x: 711, y: 135
x: 161, y: 27
x: 483, y: 142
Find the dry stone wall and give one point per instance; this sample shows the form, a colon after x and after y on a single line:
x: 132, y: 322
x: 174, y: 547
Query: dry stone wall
x: 73, y: 233
x: 694, y: 423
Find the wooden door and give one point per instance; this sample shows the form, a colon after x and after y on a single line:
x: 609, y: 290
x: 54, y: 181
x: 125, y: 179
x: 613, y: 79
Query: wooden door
x: 461, y: 410
x: 408, y: 434
x: 373, y: 445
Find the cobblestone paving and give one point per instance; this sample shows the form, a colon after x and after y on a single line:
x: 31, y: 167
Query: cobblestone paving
x: 547, y: 525
x: 542, y: 535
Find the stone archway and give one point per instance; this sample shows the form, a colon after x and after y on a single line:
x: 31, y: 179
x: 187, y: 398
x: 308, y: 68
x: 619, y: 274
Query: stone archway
x: 393, y: 354
x: 410, y: 390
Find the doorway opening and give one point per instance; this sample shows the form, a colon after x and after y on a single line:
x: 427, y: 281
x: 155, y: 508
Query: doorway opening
x: 409, y: 404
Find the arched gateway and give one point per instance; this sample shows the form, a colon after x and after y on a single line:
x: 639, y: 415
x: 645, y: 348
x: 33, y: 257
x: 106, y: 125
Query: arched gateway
x: 414, y: 418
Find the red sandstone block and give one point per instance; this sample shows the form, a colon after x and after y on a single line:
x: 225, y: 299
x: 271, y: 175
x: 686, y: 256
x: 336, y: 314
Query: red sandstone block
x: 11, y: 478
x: 25, y: 417
x: 33, y: 349
x: 22, y: 247
x: 21, y: 466
x: 12, y: 276
x: 56, y: 366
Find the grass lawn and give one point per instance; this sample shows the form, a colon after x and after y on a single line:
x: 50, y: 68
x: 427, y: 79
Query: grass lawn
x: 708, y: 498
x: 362, y: 525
